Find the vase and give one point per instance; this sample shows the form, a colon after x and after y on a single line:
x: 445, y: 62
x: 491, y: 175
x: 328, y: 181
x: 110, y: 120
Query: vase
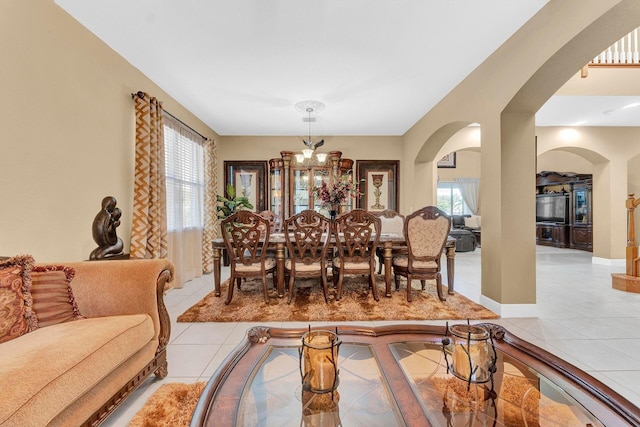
x: 333, y: 210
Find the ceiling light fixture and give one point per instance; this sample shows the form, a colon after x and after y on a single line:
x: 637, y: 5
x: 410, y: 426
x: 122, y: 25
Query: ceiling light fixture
x: 309, y: 107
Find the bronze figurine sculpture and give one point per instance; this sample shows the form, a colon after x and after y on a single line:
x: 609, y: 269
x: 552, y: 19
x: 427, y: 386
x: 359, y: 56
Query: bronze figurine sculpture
x: 104, y: 230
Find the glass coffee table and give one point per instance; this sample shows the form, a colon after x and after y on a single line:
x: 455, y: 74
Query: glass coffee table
x: 397, y: 376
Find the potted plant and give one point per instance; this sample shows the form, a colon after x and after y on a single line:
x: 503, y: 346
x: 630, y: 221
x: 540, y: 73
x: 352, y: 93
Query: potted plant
x: 228, y: 206
x: 231, y: 204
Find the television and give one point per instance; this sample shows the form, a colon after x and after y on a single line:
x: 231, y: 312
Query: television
x: 552, y: 207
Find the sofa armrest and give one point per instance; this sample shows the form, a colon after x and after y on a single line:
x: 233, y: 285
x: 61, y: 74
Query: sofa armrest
x: 119, y: 287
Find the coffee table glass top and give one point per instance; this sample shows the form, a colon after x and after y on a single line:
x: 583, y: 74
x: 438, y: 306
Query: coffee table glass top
x: 523, y: 396
x: 273, y: 395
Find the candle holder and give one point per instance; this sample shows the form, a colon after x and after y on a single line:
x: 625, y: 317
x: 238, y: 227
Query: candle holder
x: 319, y: 361
x: 472, y: 352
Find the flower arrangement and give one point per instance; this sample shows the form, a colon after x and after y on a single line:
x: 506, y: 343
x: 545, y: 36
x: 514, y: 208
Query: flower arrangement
x: 336, y: 194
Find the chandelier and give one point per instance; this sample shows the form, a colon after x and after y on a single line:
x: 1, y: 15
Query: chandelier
x: 309, y: 107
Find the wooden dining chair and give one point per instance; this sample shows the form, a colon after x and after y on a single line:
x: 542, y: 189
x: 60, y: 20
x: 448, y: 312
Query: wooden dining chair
x: 391, y: 222
x: 356, y: 235
x: 244, y: 234
x: 425, y: 232
x: 275, y: 224
x: 307, y: 241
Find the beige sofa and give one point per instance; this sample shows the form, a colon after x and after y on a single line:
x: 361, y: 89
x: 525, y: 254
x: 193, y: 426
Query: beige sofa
x: 78, y: 372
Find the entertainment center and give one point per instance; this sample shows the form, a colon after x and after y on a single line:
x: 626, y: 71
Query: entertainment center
x: 564, y: 210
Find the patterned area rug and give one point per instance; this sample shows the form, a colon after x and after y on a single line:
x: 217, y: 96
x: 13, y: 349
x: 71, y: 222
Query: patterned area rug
x: 308, y: 304
x: 172, y: 405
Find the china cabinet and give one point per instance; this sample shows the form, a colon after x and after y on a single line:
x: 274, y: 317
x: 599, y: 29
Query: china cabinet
x: 292, y: 182
x: 581, y: 223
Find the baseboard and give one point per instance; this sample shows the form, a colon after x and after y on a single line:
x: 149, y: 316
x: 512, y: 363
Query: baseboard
x: 510, y: 310
x: 611, y: 262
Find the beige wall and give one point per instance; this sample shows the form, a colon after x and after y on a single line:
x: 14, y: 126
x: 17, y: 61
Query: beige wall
x: 559, y: 161
x: 467, y: 166
x: 265, y: 148
x: 68, y: 131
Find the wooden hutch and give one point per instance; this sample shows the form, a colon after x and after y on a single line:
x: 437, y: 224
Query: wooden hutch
x: 291, y: 182
x: 564, y: 210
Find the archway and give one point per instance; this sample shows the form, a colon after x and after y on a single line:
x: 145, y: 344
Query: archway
x: 503, y: 94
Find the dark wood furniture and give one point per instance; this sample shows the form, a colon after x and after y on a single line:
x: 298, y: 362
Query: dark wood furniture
x: 307, y: 246
x: 549, y: 234
x: 388, y: 242
x: 356, y: 249
x: 396, y: 376
x: 245, y: 234
x: 425, y: 231
x: 582, y: 216
x: 571, y: 194
x: 390, y: 222
x: 291, y: 182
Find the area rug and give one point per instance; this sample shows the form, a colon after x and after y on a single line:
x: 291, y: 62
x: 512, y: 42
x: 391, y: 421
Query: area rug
x: 357, y: 303
x: 172, y: 405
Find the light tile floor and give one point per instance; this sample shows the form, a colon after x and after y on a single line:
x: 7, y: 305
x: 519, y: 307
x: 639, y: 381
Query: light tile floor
x: 582, y: 320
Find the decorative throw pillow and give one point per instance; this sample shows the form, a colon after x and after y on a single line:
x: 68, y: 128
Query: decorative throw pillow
x: 53, y: 300
x: 16, y: 313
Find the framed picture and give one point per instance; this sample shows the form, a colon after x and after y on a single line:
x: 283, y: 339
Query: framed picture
x: 378, y: 181
x: 249, y: 178
x: 448, y: 161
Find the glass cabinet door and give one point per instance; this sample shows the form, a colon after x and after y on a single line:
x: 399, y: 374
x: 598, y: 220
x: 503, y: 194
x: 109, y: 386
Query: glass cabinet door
x: 580, y: 207
x: 276, y: 187
x: 320, y: 175
x: 300, y: 191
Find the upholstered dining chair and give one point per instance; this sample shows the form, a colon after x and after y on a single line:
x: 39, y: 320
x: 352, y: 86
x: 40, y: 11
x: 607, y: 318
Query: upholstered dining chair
x: 356, y: 233
x: 244, y: 234
x: 425, y: 232
x: 307, y: 241
x: 393, y: 223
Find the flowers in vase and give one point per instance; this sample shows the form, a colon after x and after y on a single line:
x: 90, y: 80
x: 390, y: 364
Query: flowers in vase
x: 335, y: 194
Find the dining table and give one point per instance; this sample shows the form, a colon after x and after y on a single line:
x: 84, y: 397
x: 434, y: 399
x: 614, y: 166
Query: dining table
x: 388, y: 241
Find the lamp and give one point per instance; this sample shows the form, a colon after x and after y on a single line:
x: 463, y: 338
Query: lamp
x: 473, y: 355
x: 309, y: 107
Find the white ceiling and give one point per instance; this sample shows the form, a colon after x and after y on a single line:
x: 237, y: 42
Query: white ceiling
x: 590, y: 111
x: 378, y: 65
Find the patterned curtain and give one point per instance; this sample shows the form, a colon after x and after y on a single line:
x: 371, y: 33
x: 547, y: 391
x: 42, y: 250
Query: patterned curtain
x: 210, y: 202
x: 149, y: 228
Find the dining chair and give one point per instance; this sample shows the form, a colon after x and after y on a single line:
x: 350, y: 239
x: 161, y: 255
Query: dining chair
x: 393, y: 223
x: 275, y: 224
x: 356, y: 233
x: 307, y: 241
x: 244, y: 234
x: 425, y: 232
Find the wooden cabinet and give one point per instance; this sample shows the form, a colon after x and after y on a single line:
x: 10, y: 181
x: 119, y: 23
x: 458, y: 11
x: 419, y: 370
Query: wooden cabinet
x: 550, y: 234
x: 581, y: 216
x: 564, y: 210
x: 292, y: 182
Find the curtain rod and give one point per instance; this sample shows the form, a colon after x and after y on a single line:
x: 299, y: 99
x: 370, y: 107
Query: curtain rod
x: 141, y: 95
x: 186, y: 125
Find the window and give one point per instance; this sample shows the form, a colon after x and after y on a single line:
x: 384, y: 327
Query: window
x: 450, y: 200
x: 184, y: 164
